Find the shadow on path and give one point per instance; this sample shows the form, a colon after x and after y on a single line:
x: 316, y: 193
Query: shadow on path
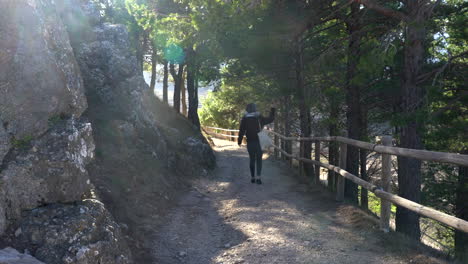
x: 226, y: 219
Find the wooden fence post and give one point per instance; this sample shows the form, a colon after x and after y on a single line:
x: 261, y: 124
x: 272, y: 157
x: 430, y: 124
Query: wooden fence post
x: 340, y: 180
x: 317, y: 158
x: 385, y: 206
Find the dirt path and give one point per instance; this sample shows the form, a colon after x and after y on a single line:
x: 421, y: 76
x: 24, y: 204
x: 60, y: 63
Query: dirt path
x: 226, y: 219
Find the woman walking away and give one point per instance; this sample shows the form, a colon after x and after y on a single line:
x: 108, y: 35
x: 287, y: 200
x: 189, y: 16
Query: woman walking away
x: 251, y: 124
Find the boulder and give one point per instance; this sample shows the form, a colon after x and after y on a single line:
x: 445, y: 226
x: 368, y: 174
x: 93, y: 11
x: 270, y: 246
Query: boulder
x: 79, y: 233
x: 200, y: 152
x: 5, y: 142
x: 12, y: 256
x: 39, y: 77
x: 47, y: 170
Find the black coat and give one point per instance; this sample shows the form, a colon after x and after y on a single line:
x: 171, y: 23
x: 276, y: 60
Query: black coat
x: 252, y: 123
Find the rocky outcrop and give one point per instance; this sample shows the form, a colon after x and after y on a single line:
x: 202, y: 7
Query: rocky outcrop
x: 145, y: 151
x: 40, y: 85
x: 48, y: 169
x: 75, y: 112
x: 45, y: 145
x: 117, y: 92
x: 5, y: 143
x: 81, y: 233
x: 39, y: 77
x: 12, y: 256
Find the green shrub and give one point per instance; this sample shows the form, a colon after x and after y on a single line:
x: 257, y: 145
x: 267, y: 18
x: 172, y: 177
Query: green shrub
x: 23, y: 142
x: 224, y: 108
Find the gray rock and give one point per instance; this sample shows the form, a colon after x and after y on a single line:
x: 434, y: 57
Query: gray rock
x: 51, y: 170
x: 39, y: 77
x: 200, y: 152
x: 5, y: 143
x: 58, y: 234
x: 12, y: 256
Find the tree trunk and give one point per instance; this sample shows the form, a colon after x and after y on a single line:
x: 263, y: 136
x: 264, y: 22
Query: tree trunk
x: 363, y: 160
x: 174, y: 78
x: 287, y: 146
x: 275, y: 137
x: 304, y: 113
x: 165, y: 82
x: 196, y: 119
x: 177, y: 82
x: 192, y: 87
x: 183, y: 93
x: 417, y: 14
x: 153, y: 69
x: 333, y: 146
x: 461, y: 238
x: 353, y: 100
x: 409, y: 170
x: 142, y: 47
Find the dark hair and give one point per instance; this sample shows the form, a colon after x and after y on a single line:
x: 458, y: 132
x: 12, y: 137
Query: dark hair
x: 252, y: 107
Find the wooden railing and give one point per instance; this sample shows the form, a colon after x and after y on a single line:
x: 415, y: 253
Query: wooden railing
x: 381, y: 191
x: 228, y: 134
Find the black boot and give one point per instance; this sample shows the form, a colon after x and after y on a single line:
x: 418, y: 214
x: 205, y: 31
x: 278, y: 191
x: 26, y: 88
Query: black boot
x: 252, y: 180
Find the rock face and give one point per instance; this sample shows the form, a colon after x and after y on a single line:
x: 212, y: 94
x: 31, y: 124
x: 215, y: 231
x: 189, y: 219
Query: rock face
x: 144, y: 150
x: 12, y: 256
x: 51, y: 170
x: 39, y: 77
x: 81, y: 233
x: 40, y: 85
x: 117, y: 92
x: 75, y: 112
x: 45, y: 145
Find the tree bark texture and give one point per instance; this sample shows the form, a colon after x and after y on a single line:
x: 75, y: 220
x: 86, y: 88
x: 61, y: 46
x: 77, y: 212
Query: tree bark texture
x: 409, y: 170
x: 287, y: 126
x: 183, y: 92
x: 304, y: 112
x: 461, y: 207
x: 165, y: 82
x: 153, y: 69
x: 177, y: 82
x: 417, y: 13
x: 353, y: 100
x: 333, y: 156
x: 142, y: 46
x: 363, y: 159
x: 192, y: 87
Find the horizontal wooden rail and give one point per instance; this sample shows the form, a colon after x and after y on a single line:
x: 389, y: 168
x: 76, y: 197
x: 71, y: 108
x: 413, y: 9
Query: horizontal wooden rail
x: 223, y: 129
x: 233, y: 134
x: 224, y: 135
x: 458, y: 159
x: 449, y: 220
x: 453, y: 158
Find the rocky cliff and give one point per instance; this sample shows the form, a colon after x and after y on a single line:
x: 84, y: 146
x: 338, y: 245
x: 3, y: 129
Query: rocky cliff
x: 78, y: 124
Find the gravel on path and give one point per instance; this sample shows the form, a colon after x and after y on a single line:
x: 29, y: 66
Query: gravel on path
x: 226, y: 219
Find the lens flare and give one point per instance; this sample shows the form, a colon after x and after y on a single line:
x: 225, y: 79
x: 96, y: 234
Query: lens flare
x: 174, y: 54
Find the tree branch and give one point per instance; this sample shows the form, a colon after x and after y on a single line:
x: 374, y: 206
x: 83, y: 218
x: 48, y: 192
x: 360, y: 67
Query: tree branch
x: 436, y: 72
x: 431, y: 8
x: 388, y: 12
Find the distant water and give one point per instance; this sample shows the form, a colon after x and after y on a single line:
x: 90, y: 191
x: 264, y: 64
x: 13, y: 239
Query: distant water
x: 158, y: 90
